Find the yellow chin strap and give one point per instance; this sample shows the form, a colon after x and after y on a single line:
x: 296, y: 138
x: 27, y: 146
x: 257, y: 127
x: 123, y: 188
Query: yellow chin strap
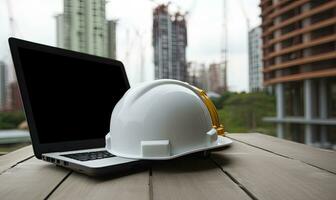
x: 212, y: 110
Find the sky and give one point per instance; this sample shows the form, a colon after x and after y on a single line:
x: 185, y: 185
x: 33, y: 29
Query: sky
x: 34, y: 20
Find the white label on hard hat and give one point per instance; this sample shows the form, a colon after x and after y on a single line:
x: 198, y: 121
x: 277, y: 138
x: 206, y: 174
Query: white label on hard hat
x: 211, y: 136
x: 108, y: 141
x: 155, y: 148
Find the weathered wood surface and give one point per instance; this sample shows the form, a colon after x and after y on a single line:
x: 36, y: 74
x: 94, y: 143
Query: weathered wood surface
x: 11, y: 159
x: 193, y: 178
x: 267, y: 176
x: 254, y: 167
x: 32, y: 179
x: 322, y: 158
x: 78, y: 186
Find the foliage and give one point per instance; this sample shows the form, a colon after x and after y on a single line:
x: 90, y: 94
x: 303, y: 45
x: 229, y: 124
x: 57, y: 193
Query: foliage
x: 11, y: 120
x: 219, y: 102
x: 243, y: 112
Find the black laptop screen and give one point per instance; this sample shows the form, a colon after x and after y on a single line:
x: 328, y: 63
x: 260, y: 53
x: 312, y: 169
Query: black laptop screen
x: 72, y: 99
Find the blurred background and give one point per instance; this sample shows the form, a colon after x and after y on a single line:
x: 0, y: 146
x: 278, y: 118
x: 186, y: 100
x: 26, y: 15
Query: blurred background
x: 269, y: 65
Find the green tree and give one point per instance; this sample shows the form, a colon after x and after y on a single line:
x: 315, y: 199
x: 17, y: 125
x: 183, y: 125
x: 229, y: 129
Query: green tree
x: 243, y: 112
x: 11, y: 120
x: 219, y: 102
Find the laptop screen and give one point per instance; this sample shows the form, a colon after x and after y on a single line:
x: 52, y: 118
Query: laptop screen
x: 72, y: 99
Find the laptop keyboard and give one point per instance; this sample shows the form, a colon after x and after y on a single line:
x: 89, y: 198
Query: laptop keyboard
x: 86, y: 156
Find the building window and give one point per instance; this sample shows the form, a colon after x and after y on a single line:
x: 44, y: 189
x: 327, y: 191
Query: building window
x: 323, y: 48
x: 322, y: 32
x: 294, y: 132
x: 331, y: 130
x: 322, y: 16
x: 331, y: 94
x: 293, y: 94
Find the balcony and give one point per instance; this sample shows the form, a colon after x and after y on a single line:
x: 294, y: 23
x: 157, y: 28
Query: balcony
x: 283, y: 10
x: 307, y: 29
x: 303, y: 15
x: 273, y: 7
x: 301, y: 76
x: 302, y: 61
x: 302, y: 46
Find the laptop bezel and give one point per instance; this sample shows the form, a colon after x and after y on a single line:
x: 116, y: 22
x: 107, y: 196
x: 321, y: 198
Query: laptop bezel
x: 39, y: 148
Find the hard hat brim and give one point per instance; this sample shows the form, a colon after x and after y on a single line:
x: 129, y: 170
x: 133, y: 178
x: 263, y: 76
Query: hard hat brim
x: 220, y: 142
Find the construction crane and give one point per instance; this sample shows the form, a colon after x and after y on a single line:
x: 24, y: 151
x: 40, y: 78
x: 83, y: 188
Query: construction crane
x: 224, y: 44
x: 11, y: 18
x: 224, y: 36
x: 131, y: 42
x: 11, y: 26
x: 9, y: 69
x: 247, y: 19
x: 139, y: 37
x: 13, y: 30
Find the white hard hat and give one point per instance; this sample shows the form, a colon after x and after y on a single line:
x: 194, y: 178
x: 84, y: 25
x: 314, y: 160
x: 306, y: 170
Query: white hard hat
x: 164, y: 119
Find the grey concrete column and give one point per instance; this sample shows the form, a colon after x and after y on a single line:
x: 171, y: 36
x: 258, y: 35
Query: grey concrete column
x: 280, y: 108
x: 280, y: 130
x: 308, y: 110
x: 323, y: 109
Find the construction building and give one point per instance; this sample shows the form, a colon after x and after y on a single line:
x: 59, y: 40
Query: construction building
x: 255, y: 60
x: 299, y: 58
x: 217, y: 78
x: 210, y: 79
x: 3, y: 85
x: 15, y: 102
x: 169, y: 42
x: 83, y: 27
x: 111, y: 39
x: 197, y: 75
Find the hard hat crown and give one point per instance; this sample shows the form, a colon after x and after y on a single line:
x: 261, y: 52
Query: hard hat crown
x: 162, y: 119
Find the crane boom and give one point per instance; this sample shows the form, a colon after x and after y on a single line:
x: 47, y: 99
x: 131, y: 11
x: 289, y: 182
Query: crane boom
x: 224, y: 45
x: 247, y: 19
x: 11, y: 18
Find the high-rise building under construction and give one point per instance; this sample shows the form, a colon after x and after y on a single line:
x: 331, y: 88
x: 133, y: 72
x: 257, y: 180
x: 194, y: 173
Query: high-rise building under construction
x: 169, y: 42
x: 83, y: 27
x: 299, y: 55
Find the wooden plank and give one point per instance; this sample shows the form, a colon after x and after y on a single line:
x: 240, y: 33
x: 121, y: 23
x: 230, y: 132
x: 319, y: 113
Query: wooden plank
x: 79, y: 186
x: 32, y: 179
x: 191, y: 178
x: 11, y: 159
x: 325, y: 159
x: 270, y: 176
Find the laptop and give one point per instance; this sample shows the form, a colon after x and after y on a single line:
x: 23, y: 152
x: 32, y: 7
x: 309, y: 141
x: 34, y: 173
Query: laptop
x: 68, y: 99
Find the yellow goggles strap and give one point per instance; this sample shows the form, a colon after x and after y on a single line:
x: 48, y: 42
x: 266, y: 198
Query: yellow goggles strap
x: 212, y: 110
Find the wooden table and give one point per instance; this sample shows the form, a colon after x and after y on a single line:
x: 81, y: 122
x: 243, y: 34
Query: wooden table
x: 254, y: 167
